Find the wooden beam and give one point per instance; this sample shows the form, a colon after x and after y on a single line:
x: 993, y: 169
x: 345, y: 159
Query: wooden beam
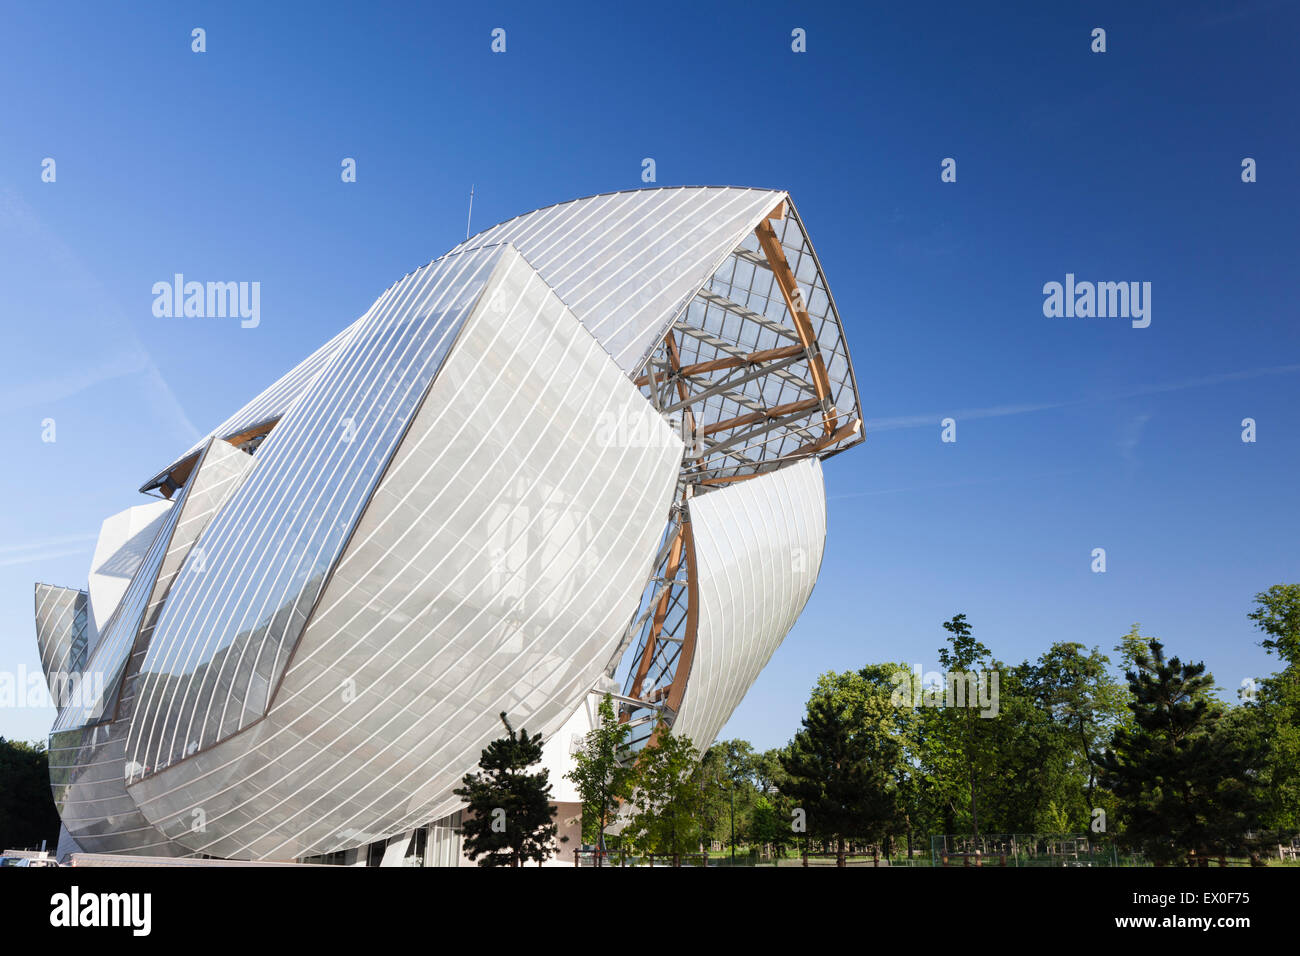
x: 683, y: 392
x: 716, y: 447
x: 794, y: 303
x: 239, y: 438
x: 808, y: 404
x: 683, y: 672
x: 843, y: 432
x: 171, y: 482
x: 718, y: 364
x: 728, y: 385
x: 728, y: 479
x: 674, y: 360
x: 176, y: 478
x: 661, y: 612
x: 677, y: 689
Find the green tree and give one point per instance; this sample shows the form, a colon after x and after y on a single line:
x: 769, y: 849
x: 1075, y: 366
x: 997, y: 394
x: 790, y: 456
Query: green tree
x: 769, y: 825
x: 965, y: 654
x: 1131, y: 646
x: 1056, y: 819
x: 1277, y: 614
x: 1183, y: 781
x: 1275, y: 710
x: 839, y: 775
x: 1075, y: 686
x: 512, y: 819
x: 1000, y: 763
x: 728, y: 772
x: 602, y: 772
x: 770, y: 818
x: 877, y: 701
x: 1024, y: 757
x: 27, y: 814
x: 714, y: 804
x: 767, y: 769
x: 667, y: 797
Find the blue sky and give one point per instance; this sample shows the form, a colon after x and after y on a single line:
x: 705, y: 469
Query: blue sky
x: 1072, y: 434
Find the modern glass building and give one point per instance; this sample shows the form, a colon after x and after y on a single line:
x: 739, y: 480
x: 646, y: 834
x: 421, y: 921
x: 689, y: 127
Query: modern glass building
x: 581, y: 452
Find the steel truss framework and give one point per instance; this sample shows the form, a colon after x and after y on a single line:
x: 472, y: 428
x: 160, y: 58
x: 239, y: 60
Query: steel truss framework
x: 756, y: 374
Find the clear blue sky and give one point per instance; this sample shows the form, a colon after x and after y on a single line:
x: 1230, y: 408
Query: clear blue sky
x: 1072, y: 433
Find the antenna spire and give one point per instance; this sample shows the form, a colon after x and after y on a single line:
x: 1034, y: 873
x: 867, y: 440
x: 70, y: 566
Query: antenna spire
x: 471, y: 210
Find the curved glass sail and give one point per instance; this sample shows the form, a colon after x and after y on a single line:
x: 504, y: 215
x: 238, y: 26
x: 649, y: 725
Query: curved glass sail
x: 490, y: 571
x: 225, y: 634
x: 62, y: 617
x: 758, y: 550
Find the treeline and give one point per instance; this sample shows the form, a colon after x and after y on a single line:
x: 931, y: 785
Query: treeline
x: 1152, y: 759
x: 27, y: 814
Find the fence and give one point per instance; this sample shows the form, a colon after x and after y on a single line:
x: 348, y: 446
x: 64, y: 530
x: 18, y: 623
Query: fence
x: 602, y: 858
x: 1022, y: 849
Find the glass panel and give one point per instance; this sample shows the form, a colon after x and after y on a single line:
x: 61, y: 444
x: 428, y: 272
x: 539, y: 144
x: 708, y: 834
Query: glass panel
x: 228, y: 628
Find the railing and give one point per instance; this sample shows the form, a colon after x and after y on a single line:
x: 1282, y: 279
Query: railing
x: 979, y: 858
x: 1022, y: 849
x: 600, y: 858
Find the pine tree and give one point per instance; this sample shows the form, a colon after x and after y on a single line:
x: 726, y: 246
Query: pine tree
x: 837, y: 779
x: 512, y: 819
x: 1184, y: 782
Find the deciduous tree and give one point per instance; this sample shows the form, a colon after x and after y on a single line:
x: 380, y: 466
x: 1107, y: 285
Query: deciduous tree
x: 602, y: 770
x: 667, y: 797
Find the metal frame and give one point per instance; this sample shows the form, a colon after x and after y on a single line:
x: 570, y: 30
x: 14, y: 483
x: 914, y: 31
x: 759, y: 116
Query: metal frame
x: 758, y: 389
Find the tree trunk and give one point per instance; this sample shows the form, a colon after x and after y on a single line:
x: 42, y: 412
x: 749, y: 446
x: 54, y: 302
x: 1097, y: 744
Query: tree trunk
x: 1092, y: 779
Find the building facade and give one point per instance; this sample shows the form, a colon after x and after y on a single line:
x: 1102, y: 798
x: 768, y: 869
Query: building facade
x: 581, y: 452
